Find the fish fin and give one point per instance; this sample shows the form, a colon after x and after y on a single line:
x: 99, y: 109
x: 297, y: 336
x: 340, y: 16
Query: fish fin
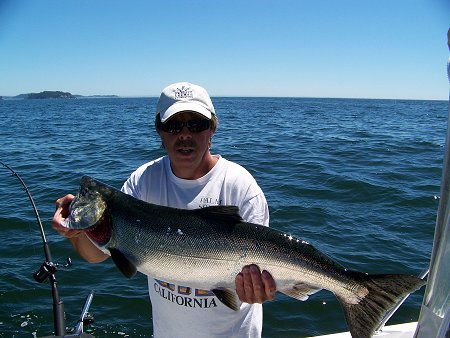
x: 299, y: 291
x: 365, y: 313
x: 123, y: 263
x: 227, y: 213
x: 228, y: 297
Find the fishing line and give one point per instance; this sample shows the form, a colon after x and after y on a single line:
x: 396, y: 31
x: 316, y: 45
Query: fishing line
x: 31, y: 230
x: 30, y: 198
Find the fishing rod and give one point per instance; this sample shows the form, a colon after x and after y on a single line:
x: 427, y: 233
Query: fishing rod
x: 48, y: 270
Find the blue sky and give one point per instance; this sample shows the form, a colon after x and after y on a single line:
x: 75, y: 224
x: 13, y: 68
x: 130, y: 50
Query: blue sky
x: 314, y: 48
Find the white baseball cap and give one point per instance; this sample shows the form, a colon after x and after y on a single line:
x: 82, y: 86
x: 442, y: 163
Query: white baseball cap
x: 184, y: 96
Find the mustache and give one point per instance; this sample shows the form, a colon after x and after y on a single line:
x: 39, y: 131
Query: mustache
x: 185, y: 144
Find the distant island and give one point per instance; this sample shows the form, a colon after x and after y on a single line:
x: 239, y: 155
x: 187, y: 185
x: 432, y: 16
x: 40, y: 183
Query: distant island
x: 50, y: 95
x: 47, y: 94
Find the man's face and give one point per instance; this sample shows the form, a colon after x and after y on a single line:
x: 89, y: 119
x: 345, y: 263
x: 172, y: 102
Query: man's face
x: 188, y: 150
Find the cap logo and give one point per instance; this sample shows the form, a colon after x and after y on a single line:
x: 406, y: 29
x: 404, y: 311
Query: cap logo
x: 183, y: 93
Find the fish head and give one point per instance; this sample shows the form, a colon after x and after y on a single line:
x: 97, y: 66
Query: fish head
x: 86, y: 210
x: 89, y: 211
x: 88, y: 206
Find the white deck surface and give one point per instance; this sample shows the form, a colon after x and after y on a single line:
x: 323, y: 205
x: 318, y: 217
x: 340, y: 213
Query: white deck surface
x: 405, y: 330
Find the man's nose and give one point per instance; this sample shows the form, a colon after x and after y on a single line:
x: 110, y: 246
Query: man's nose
x: 184, y: 133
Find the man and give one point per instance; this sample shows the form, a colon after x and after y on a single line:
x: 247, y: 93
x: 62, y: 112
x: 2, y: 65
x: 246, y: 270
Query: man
x: 190, y: 177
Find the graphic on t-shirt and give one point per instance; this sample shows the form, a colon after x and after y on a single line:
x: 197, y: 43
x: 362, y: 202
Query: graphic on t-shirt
x: 209, y: 201
x: 185, y: 295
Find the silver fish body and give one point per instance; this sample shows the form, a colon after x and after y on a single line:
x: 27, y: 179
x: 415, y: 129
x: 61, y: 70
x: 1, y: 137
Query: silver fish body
x: 206, y: 248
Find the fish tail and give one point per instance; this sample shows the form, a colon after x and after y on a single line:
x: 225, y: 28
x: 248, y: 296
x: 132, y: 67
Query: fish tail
x: 383, y: 292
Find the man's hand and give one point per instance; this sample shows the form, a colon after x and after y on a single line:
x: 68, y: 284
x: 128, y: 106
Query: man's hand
x: 254, y: 286
x: 81, y: 243
x: 61, y: 213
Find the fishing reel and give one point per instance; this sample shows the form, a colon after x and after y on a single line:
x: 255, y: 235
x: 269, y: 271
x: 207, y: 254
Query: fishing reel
x: 49, y: 268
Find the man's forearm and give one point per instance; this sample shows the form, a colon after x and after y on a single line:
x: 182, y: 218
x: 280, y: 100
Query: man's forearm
x: 87, y: 250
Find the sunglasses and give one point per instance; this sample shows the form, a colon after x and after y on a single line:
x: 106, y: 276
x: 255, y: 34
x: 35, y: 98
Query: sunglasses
x: 194, y: 126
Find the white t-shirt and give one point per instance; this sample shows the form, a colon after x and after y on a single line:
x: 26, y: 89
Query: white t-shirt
x: 180, y: 310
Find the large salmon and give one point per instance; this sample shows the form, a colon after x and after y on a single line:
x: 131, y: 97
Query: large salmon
x: 206, y: 248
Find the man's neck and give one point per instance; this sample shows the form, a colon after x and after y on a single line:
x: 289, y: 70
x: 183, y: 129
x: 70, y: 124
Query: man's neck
x: 194, y: 173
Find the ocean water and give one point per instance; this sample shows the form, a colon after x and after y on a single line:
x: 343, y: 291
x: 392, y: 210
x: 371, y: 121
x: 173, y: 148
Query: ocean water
x: 358, y: 179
